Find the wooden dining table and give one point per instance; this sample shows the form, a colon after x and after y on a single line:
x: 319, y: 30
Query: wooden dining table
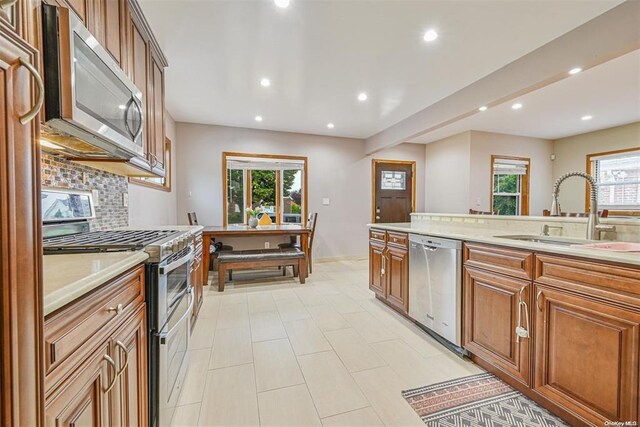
x: 212, y: 233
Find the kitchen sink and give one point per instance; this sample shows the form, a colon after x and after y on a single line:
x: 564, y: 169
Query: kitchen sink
x: 547, y: 240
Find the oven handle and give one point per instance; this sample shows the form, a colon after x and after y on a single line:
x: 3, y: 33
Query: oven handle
x: 169, y: 268
x: 164, y: 336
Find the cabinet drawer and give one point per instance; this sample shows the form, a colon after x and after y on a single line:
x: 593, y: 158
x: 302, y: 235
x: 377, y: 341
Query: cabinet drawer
x: 76, y: 329
x: 377, y: 235
x: 397, y: 239
x: 612, y: 282
x: 507, y: 261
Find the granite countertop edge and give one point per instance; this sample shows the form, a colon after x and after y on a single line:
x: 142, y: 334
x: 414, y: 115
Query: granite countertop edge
x: 629, y: 258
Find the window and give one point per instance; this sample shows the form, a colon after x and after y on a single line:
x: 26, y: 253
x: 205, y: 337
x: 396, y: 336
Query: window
x: 275, y: 183
x: 509, y: 185
x: 160, y: 183
x: 617, y: 175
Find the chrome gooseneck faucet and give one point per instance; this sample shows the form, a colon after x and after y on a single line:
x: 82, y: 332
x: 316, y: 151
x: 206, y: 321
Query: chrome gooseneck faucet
x: 594, y: 229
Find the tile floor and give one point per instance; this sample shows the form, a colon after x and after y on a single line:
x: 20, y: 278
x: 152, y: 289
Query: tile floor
x: 269, y: 351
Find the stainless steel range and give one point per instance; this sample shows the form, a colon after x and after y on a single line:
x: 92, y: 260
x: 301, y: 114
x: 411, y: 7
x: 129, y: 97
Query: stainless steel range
x: 169, y: 295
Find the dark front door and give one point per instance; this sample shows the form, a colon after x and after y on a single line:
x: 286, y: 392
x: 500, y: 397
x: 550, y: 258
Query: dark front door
x: 393, y: 191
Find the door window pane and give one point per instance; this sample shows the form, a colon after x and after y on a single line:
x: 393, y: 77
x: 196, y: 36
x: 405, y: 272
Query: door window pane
x: 235, y: 196
x: 263, y: 191
x: 292, y: 196
x: 393, y: 180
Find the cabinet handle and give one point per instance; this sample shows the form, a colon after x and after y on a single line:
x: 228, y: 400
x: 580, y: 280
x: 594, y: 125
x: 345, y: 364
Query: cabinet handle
x: 27, y: 117
x: 520, y: 331
x: 384, y: 262
x: 111, y: 363
x: 126, y: 357
x: 538, y: 295
x: 117, y: 309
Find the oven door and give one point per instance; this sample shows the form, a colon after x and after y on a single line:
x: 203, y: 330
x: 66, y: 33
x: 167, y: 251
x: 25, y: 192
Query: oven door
x: 174, y: 357
x: 173, y: 282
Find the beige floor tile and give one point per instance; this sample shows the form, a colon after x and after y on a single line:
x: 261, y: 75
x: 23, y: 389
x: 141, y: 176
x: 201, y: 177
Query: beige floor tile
x: 275, y: 365
x: 353, y: 350
x: 186, y: 416
x: 343, y: 304
x: 306, y: 337
x: 365, y: 417
x: 383, y: 387
x: 370, y: 328
x: 287, y: 293
x: 261, y: 301
x: 231, y: 347
x: 291, y: 309
x: 327, y: 318
x: 202, y: 333
x: 230, y: 398
x: 332, y: 388
x: 233, y: 316
x: 209, y: 308
x: 311, y: 297
x: 194, y: 382
x: 266, y: 325
x: 413, y: 369
x: 233, y: 298
x: 289, y: 406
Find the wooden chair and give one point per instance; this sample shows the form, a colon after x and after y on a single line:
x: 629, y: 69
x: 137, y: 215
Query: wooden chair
x: 193, y: 220
x: 311, y: 224
x: 602, y: 214
x: 475, y: 212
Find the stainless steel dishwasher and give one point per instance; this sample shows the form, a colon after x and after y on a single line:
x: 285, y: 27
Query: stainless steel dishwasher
x: 435, y: 285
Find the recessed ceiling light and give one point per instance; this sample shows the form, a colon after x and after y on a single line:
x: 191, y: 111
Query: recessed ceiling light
x: 265, y: 82
x: 516, y: 106
x: 330, y: 125
x: 282, y: 3
x: 585, y: 118
x: 430, y: 35
x: 483, y: 108
x: 258, y: 118
x: 362, y: 96
x: 575, y: 70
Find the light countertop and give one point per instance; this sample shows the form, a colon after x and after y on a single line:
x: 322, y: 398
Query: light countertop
x: 485, y: 235
x: 68, y: 277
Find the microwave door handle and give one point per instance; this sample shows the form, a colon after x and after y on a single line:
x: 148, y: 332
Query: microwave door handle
x: 132, y: 102
x: 164, y: 336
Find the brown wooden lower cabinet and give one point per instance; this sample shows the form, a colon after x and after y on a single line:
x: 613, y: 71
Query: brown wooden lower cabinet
x: 492, y: 304
x: 587, y: 355
x: 196, y: 278
x: 103, y: 380
x: 582, y: 357
x: 389, y: 268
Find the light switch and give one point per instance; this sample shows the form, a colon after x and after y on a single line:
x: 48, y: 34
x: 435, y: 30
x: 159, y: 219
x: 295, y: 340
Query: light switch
x: 95, y: 195
x: 326, y: 201
x: 125, y: 199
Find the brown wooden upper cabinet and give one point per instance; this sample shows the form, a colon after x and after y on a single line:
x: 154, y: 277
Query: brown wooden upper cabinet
x: 389, y: 267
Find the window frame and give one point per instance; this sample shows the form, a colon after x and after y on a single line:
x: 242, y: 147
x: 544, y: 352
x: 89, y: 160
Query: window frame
x: 524, y: 183
x: 248, y: 185
x: 166, y: 186
x: 589, y: 170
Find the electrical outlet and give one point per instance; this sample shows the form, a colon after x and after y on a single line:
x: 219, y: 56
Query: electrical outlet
x: 266, y: 245
x: 125, y: 199
x: 95, y: 195
x: 326, y: 201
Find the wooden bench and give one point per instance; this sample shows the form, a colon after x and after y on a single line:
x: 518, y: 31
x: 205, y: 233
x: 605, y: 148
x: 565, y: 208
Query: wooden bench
x: 228, y: 260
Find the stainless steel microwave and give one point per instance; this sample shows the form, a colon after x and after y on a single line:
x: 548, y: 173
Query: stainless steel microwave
x: 92, y: 109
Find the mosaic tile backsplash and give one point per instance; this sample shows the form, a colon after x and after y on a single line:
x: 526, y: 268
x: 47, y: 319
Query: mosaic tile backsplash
x: 110, y: 210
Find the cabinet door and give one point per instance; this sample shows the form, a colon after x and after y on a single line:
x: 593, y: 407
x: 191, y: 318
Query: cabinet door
x: 376, y: 274
x: 111, y: 31
x: 12, y: 16
x: 587, y: 355
x: 156, y: 114
x: 83, y: 399
x: 492, y: 304
x: 397, y: 272
x: 20, y: 235
x: 130, y: 394
x: 138, y: 68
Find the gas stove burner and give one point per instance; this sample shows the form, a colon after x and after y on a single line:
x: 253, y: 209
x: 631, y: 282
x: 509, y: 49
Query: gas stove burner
x: 104, y: 241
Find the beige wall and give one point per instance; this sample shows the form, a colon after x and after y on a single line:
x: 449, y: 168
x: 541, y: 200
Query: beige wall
x: 447, y: 166
x: 148, y: 206
x: 338, y: 170
x: 571, y: 155
x: 486, y: 144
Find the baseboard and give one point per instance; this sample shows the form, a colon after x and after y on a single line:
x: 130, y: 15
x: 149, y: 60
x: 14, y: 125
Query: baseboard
x: 342, y: 258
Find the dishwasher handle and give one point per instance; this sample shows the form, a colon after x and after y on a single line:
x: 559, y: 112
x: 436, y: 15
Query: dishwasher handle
x: 427, y: 247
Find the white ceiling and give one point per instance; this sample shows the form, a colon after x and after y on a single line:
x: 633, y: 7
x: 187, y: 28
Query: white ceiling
x: 320, y: 54
x: 610, y: 93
